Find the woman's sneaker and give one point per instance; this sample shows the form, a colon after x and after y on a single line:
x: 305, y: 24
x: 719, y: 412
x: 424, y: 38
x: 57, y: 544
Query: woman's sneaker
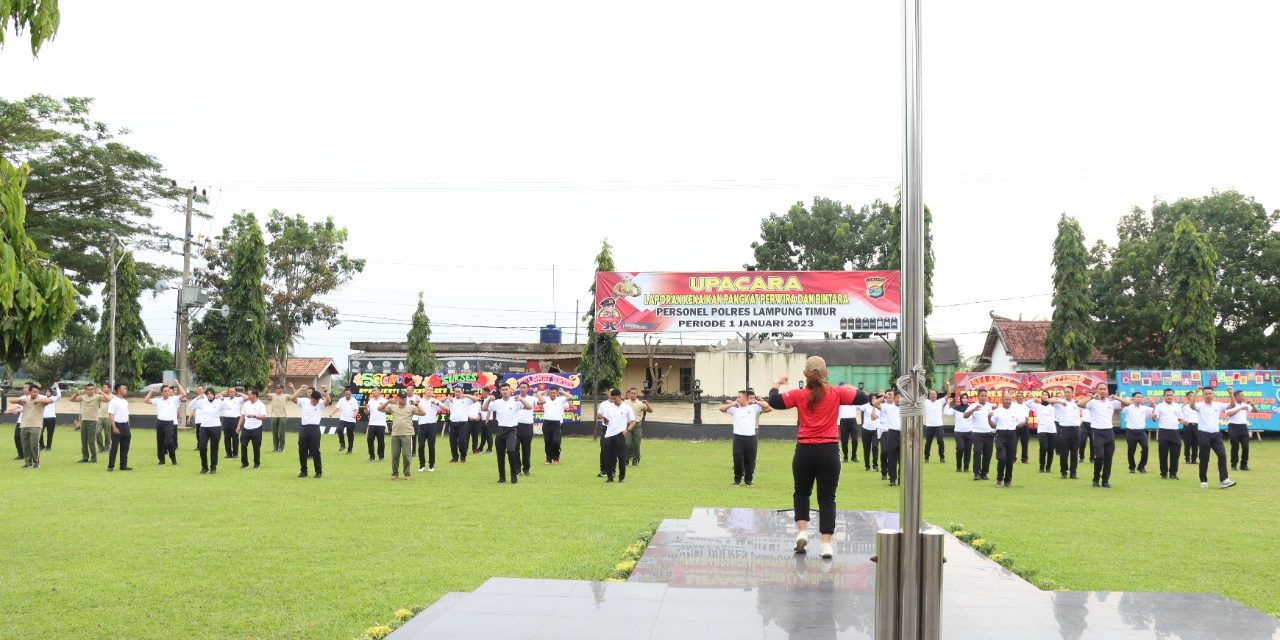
x: 801, y: 542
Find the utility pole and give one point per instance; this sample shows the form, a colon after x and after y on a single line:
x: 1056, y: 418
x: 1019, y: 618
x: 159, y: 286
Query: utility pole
x: 111, y: 348
x: 180, y: 348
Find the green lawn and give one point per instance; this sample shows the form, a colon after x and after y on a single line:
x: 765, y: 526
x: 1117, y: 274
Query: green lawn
x: 163, y: 552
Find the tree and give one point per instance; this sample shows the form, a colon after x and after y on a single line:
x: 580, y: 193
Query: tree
x: 1069, y: 343
x: 1134, y: 296
x: 156, y: 359
x: 36, y: 300
x: 657, y: 377
x: 131, y: 333
x: 304, y: 262
x: 39, y: 17
x: 246, y: 327
x: 85, y: 186
x: 77, y: 347
x: 602, y: 361
x: 208, y: 354
x: 1190, y: 320
x: 421, y: 356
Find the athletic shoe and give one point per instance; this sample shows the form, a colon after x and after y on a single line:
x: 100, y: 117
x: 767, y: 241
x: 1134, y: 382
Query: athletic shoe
x: 600, y: 475
x: 1095, y: 484
x: 302, y: 474
x: 846, y: 461
x: 555, y: 462
x: 1142, y: 470
x: 1164, y: 476
x: 244, y: 466
x: 749, y: 483
x: 1204, y: 485
x: 801, y: 542
x: 408, y: 477
x: 1226, y: 484
x: 84, y: 459
x: 1244, y: 467
x: 370, y: 458
x: 395, y: 477
x: 737, y: 483
x: 111, y: 468
x: 213, y: 470
x: 431, y: 469
x: 827, y: 551
x: 421, y: 469
x: 609, y: 480
x: 257, y: 466
x: 1133, y: 471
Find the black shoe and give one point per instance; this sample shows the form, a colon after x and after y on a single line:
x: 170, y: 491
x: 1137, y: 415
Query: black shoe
x: 875, y: 468
x: 853, y: 459
x: 737, y: 483
x: 203, y: 471
x: 1244, y: 467
x: 84, y: 459
x: 1106, y: 485
x: 1233, y: 467
x: 502, y: 480
x: 1073, y: 477
x: 244, y: 466
x: 977, y: 478
x: 213, y: 470
x: 1141, y: 470
x: 126, y: 468
x: 1133, y: 471
x: 942, y: 460
x: 111, y: 468
x: 600, y: 475
x: 302, y: 474
x: 318, y: 475
x: 1173, y: 477
x: 257, y: 466
x: 609, y: 479
x: 29, y: 465
x: 161, y: 463
x: 372, y: 460
x: 986, y: 477
x: 749, y: 483
x: 21, y: 458
x: 1095, y: 484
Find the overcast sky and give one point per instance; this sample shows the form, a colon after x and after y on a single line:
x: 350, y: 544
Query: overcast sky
x: 470, y: 146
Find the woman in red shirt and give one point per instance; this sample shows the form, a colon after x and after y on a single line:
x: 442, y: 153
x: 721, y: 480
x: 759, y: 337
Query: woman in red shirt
x: 817, y: 456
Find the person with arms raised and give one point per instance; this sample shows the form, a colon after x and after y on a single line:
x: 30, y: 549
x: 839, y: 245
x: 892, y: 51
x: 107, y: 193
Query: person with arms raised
x: 1168, y: 417
x: 1135, y: 418
x: 207, y: 414
x: 744, y: 411
x: 252, y: 413
x: 312, y: 408
x: 1238, y: 429
x: 984, y: 438
x: 168, y: 406
x: 90, y: 405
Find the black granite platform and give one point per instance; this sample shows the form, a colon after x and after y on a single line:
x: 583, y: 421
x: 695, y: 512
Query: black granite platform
x: 730, y: 573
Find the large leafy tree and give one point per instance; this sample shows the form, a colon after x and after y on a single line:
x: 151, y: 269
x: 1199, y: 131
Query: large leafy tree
x: 208, y: 354
x: 421, y: 355
x: 131, y: 332
x: 1134, y: 294
x: 1070, y: 340
x: 39, y: 18
x: 36, y: 300
x: 1190, y: 319
x: 86, y: 186
x: 76, y: 349
x: 305, y: 261
x: 156, y: 359
x: 246, y: 329
x: 602, y: 363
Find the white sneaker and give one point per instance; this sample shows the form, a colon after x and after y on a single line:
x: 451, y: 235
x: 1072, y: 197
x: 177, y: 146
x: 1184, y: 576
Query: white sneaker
x: 1227, y: 484
x: 421, y: 469
x: 431, y: 469
x: 1204, y: 485
x: 801, y: 542
x: 827, y: 551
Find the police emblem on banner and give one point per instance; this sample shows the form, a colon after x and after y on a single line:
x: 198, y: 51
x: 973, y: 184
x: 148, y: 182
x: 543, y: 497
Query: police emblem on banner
x: 875, y: 287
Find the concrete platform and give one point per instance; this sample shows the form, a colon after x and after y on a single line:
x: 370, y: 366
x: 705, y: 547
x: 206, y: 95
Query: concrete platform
x: 730, y: 573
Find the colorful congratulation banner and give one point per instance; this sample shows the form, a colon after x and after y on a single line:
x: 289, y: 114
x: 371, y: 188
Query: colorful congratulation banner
x: 569, y: 384
x: 748, y: 301
x: 441, y: 385
x: 1261, y: 388
x: 1072, y: 384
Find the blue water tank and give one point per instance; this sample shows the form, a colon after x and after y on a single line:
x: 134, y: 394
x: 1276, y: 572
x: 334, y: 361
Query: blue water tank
x: 549, y: 334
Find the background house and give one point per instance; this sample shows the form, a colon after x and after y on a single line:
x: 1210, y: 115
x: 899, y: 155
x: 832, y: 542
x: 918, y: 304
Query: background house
x: 309, y: 371
x: 1018, y: 345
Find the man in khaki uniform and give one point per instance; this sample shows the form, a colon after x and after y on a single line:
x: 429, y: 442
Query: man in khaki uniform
x: 90, y: 408
x: 32, y: 424
x: 104, y: 420
x: 276, y: 415
x: 636, y: 434
x: 402, y: 416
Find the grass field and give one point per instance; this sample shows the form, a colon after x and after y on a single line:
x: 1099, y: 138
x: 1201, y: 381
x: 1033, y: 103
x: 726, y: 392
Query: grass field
x: 164, y: 552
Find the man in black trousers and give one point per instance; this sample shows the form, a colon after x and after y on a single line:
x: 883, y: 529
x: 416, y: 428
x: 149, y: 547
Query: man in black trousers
x: 1068, y: 417
x: 312, y: 408
x: 1190, y: 429
x: 506, y: 410
x: 618, y: 420
x: 870, y: 432
x: 1168, y: 417
x: 848, y: 429
x: 984, y: 438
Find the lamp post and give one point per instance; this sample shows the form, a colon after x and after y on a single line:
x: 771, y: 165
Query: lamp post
x: 113, y: 263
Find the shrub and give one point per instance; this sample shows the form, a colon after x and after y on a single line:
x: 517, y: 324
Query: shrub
x: 379, y: 632
x: 403, y: 615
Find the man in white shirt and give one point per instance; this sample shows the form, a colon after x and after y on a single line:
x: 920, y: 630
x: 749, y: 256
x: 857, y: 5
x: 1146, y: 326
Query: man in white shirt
x: 427, y: 429
x: 121, y: 436
x: 983, y: 435
x: 869, y: 433
x: 933, y: 408
x: 167, y: 407
x: 848, y: 417
x: 891, y: 440
x: 524, y: 430
x: 618, y: 419
x: 1190, y: 429
x: 252, y: 412
x: 232, y: 399
x: 1067, y: 416
x: 375, y: 432
x: 962, y: 432
x: 459, y: 408
x: 1208, y: 415
x: 346, y: 409
x: 553, y: 412
x: 744, y: 412
x: 506, y: 411
x: 478, y: 419
x: 1238, y: 430
x: 207, y: 412
x: 312, y: 408
x: 1101, y: 407
x: 1005, y: 419
x: 1135, y: 418
x: 1167, y: 415
x: 54, y: 392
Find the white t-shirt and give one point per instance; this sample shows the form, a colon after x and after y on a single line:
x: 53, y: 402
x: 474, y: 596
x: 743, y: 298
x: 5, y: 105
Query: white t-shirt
x: 1135, y: 416
x: 1068, y: 415
x: 1044, y: 416
x: 867, y: 412
x: 933, y: 412
x: 311, y: 413
x: 347, y: 408
x: 1167, y: 414
x: 430, y: 410
x: 459, y: 408
x: 231, y: 407
x: 1006, y: 418
x: 978, y: 419
x: 506, y: 412
x: 744, y: 419
x: 167, y: 408
x: 1189, y: 415
x: 1209, y: 414
x: 378, y: 417
x: 848, y: 412
x: 962, y: 423
x: 553, y: 408
x: 890, y: 416
x: 254, y: 408
x: 617, y: 417
x: 526, y: 414
x: 1241, y: 417
x: 51, y: 409
x: 207, y: 412
x: 1101, y: 412
x: 118, y: 409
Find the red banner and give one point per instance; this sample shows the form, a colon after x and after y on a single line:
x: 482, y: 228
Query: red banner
x: 1073, y: 384
x: 748, y: 301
